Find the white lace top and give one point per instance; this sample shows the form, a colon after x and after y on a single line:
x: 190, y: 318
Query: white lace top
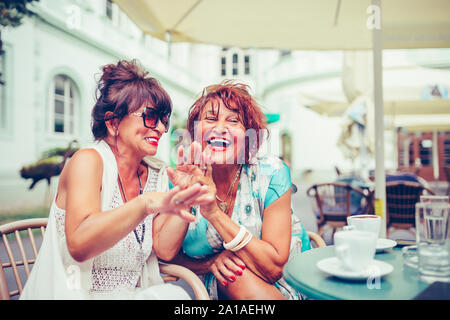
x: 118, y: 269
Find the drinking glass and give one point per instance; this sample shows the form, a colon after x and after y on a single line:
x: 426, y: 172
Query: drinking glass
x: 432, y: 247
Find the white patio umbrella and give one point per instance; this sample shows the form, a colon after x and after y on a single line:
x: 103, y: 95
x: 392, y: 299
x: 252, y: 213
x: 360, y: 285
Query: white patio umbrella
x: 294, y: 24
x: 304, y: 25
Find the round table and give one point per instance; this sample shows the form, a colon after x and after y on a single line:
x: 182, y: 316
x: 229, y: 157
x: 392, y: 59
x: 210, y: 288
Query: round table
x: 401, y: 284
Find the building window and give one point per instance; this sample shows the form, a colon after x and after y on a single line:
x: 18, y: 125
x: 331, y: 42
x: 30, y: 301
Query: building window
x: 285, y: 53
x: 3, y: 113
x: 109, y: 9
x: 426, y: 152
x: 223, y: 66
x: 246, y: 64
x: 63, y: 105
x: 235, y: 64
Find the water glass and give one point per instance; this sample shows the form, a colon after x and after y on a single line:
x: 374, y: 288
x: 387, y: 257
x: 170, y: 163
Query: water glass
x: 432, y: 247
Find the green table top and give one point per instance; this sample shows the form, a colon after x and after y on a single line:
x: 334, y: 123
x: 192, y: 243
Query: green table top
x: 401, y: 284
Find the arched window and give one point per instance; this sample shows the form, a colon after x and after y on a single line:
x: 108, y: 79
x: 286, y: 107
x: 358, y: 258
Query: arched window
x: 63, y: 105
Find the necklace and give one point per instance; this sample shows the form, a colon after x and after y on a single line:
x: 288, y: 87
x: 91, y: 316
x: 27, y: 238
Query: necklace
x: 139, y: 240
x: 223, y: 204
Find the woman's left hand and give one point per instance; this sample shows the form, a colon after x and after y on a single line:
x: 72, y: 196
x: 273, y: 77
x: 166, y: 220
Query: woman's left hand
x: 176, y: 201
x: 226, y: 266
x: 188, y: 166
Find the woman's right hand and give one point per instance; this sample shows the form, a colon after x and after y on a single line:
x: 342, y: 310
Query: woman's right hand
x: 226, y: 266
x: 177, y: 201
x: 194, y: 167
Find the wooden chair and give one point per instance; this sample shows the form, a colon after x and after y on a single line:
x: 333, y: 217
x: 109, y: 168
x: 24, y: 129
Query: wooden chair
x: 336, y: 201
x: 401, y: 199
x: 447, y: 178
x: 316, y: 240
x: 173, y: 272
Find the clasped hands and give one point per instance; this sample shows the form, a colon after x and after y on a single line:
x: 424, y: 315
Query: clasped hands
x: 195, y: 168
x: 193, y: 186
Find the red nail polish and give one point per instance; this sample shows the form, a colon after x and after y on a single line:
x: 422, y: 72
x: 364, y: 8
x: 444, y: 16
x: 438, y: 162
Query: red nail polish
x: 242, y: 267
x: 225, y: 283
x: 233, y: 278
x: 239, y: 272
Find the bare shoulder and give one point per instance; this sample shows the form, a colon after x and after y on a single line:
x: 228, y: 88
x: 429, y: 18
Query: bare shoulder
x: 85, y: 162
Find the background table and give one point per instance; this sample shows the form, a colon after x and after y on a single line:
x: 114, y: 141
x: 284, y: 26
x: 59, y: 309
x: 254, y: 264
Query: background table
x: 302, y: 273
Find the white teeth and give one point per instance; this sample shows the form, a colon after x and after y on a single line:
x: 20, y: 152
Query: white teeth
x: 151, y: 139
x: 218, y: 140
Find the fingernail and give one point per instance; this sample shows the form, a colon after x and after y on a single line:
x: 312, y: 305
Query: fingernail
x: 233, y: 278
x: 242, y: 267
x: 225, y: 283
x: 204, y: 186
x: 239, y: 272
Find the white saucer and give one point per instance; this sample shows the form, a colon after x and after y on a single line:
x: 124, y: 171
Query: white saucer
x: 333, y: 266
x: 384, y: 244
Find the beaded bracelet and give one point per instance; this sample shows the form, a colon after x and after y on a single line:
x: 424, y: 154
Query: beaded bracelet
x: 244, y: 242
x: 237, y: 239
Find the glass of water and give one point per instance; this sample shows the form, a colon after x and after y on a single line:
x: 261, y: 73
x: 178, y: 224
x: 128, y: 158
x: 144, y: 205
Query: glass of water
x: 432, y: 246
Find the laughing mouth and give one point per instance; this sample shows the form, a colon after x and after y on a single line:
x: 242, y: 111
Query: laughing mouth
x: 153, y: 141
x: 216, y: 142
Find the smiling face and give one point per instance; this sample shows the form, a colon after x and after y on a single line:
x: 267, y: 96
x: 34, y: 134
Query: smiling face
x: 222, y: 133
x: 138, y: 139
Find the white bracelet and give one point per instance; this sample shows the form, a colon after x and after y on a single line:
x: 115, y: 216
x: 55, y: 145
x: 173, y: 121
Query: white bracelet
x: 237, y: 239
x: 244, y: 242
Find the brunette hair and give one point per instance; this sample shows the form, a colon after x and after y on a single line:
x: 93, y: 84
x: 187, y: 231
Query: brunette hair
x: 122, y: 89
x: 235, y: 97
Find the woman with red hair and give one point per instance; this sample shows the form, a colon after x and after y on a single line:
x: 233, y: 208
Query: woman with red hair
x: 241, y: 242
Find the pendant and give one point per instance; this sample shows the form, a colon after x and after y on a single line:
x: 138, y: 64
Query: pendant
x: 223, y: 206
x: 141, y: 257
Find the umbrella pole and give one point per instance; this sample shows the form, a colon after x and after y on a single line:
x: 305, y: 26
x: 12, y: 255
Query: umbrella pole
x: 380, y: 176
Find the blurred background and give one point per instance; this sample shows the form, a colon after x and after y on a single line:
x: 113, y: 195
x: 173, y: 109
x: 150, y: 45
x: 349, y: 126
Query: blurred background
x: 317, y: 103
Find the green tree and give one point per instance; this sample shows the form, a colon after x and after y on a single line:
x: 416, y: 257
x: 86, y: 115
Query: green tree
x: 12, y: 12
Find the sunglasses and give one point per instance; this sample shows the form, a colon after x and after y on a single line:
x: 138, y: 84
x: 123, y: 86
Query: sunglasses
x: 151, y: 118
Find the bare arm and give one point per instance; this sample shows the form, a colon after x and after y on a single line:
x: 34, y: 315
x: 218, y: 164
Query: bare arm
x: 89, y: 231
x: 198, y: 266
x: 168, y: 235
x: 266, y: 256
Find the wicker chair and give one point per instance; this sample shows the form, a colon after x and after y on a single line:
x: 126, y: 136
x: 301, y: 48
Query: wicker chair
x: 316, y: 240
x: 21, y: 268
x: 336, y: 201
x: 401, y: 199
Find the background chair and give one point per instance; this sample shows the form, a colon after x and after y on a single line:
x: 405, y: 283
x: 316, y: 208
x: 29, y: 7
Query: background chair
x: 401, y: 199
x: 336, y: 201
x: 21, y: 267
x: 316, y: 240
x: 447, y: 178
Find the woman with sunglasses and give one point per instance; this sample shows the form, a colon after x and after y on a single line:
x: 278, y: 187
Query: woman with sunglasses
x: 241, y: 241
x: 112, y: 215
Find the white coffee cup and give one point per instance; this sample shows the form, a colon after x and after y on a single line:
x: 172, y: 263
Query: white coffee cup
x: 364, y: 222
x: 355, y: 249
